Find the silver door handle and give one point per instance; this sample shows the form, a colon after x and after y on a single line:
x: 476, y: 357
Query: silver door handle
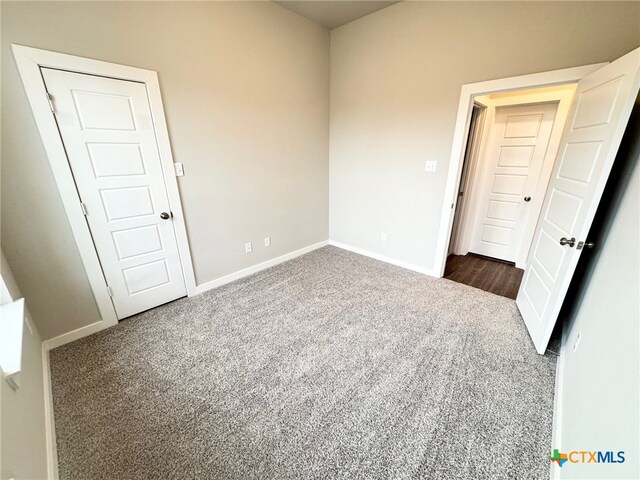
x: 571, y: 242
x: 165, y: 215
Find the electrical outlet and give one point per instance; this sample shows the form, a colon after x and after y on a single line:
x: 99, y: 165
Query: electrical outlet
x: 577, y: 342
x: 267, y: 241
x: 383, y: 237
x: 430, y: 166
x: 248, y: 248
x: 179, y: 169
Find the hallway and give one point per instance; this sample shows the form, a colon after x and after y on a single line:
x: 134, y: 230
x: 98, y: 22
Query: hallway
x: 484, y: 273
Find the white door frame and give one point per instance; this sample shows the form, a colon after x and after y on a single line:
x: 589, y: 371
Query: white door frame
x: 473, y: 151
x: 29, y: 60
x: 461, y: 132
x: 469, y: 223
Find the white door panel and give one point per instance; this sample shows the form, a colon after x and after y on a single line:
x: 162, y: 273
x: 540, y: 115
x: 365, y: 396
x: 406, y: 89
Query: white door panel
x: 116, y: 159
x: 513, y: 162
x: 520, y: 125
x: 107, y: 131
x: 600, y: 113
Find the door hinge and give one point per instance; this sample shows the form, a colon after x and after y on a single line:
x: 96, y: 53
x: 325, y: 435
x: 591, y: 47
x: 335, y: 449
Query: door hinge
x: 109, y: 291
x: 83, y: 207
x: 50, y: 100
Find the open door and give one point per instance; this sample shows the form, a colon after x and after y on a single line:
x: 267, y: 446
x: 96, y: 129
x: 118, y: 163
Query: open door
x: 600, y: 112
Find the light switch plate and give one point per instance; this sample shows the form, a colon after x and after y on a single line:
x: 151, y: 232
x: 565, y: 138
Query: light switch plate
x: 179, y: 169
x: 430, y: 166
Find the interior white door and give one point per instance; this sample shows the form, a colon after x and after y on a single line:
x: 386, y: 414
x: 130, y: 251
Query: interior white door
x: 599, y: 115
x: 108, y: 133
x: 512, y: 164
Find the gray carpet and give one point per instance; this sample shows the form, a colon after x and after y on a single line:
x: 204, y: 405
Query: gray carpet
x: 332, y: 365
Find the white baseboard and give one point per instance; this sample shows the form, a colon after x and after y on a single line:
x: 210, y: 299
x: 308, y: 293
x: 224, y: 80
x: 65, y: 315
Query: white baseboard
x: 101, y: 325
x: 50, y: 427
x: 97, y: 326
x: 556, y: 432
x: 384, y: 258
x: 76, y: 334
x: 218, y: 282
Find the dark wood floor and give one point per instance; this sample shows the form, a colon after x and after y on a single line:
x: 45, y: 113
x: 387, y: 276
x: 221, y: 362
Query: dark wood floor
x: 484, y: 273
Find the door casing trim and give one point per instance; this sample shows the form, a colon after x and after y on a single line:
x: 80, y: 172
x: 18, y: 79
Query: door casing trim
x: 29, y: 61
x: 461, y: 131
x: 562, y: 99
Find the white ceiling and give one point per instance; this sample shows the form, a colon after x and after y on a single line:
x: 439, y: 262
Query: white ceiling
x: 333, y: 13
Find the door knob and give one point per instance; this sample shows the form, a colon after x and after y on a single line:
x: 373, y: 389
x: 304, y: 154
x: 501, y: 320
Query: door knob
x: 165, y: 215
x: 571, y: 242
x: 527, y: 199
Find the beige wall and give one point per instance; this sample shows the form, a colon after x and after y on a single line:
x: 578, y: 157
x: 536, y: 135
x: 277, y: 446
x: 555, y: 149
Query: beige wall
x: 245, y: 87
x: 600, y: 388
x: 246, y: 93
x: 395, y: 84
x: 23, y: 448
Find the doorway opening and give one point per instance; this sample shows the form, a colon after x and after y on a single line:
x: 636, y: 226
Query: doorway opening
x: 512, y: 143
